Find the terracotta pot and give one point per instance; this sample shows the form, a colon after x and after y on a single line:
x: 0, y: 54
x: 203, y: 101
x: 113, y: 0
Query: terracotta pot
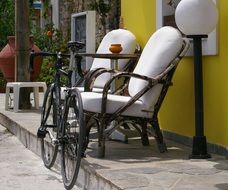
x: 7, y: 60
x: 115, y: 48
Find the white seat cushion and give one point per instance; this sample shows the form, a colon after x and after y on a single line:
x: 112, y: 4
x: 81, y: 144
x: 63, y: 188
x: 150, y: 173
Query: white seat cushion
x: 92, y: 103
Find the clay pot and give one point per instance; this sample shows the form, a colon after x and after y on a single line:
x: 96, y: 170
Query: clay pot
x: 7, y: 60
x: 115, y: 48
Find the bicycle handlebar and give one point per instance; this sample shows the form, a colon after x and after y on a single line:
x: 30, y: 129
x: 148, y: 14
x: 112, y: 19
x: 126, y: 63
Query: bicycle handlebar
x: 44, y: 54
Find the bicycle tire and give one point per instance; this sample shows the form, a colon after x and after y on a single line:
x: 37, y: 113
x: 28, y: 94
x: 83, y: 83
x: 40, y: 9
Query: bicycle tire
x: 73, y: 131
x: 49, y: 148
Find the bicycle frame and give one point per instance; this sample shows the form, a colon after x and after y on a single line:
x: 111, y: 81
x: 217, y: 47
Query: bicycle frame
x: 56, y: 87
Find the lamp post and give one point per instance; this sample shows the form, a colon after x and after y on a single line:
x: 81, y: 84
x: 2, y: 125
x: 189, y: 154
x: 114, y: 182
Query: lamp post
x: 196, y: 19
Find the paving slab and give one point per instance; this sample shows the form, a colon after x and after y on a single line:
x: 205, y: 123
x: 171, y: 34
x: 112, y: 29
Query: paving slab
x: 130, y: 166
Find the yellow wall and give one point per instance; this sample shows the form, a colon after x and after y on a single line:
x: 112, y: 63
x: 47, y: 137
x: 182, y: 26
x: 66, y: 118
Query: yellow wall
x: 177, y: 113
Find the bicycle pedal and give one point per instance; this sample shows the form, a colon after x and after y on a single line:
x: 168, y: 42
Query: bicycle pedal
x: 41, y: 133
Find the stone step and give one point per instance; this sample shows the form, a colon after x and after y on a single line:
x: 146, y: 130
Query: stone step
x: 88, y: 178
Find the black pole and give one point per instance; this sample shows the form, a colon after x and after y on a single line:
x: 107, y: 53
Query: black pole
x: 199, y: 147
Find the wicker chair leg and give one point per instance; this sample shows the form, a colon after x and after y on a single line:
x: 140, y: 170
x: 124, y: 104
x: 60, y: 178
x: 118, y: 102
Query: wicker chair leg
x: 144, y: 135
x: 158, y: 135
x: 101, y: 141
x: 89, y: 125
x: 101, y: 150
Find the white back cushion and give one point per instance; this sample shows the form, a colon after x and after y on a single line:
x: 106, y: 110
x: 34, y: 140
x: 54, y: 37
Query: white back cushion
x: 118, y: 36
x: 162, y: 47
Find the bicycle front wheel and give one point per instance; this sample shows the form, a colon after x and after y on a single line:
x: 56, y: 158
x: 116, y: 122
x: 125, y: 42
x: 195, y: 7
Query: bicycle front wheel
x: 49, y: 147
x: 73, y: 136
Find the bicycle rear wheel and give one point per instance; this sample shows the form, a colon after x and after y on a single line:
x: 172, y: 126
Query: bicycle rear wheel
x: 73, y: 138
x: 48, y: 129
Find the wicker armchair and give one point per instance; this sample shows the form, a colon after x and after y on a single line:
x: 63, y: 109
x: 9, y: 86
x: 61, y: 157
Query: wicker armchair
x: 118, y: 36
x: 147, y: 88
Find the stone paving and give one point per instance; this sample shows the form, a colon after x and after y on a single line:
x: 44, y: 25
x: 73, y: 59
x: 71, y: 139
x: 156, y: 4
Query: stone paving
x: 21, y: 169
x: 130, y: 166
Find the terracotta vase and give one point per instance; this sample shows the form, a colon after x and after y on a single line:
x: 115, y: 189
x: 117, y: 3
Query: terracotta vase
x: 115, y: 48
x: 7, y: 60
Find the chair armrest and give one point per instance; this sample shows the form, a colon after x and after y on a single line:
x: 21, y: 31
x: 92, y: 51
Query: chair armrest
x: 92, y: 75
x: 89, y: 79
x: 82, y: 73
x: 151, y: 82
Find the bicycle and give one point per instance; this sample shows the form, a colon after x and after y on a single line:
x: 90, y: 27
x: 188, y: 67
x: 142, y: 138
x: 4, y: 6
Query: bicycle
x: 62, y: 124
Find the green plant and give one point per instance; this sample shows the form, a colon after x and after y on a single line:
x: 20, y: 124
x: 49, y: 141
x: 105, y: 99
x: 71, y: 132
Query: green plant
x: 46, y: 6
x: 48, y: 71
x: 51, y: 43
x: 7, y: 20
x: 2, y: 81
x: 102, y: 8
x: 45, y: 42
x: 49, y: 39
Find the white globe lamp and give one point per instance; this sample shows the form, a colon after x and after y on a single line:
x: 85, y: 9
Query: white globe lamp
x: 196, y: 17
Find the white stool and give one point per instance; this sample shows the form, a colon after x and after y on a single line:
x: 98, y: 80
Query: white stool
x: 16, y: 91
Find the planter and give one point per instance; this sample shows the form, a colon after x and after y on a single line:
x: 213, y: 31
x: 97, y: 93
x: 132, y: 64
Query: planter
x: 7, y: 60
x: 115, y: 48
